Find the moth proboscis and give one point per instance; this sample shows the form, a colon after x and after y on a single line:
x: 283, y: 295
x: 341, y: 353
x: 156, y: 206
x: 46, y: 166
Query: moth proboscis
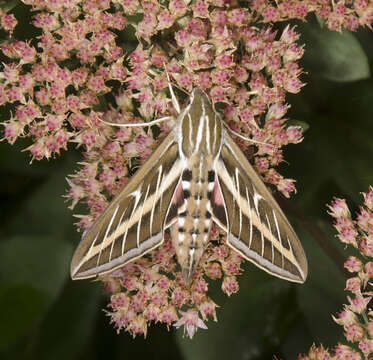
x: 196, y: 176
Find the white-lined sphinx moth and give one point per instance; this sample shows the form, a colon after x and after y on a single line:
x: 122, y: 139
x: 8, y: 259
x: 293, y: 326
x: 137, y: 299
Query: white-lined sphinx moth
x: 197, y: 175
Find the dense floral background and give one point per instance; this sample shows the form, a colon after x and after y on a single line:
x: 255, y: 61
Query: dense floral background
x: 68, y: 64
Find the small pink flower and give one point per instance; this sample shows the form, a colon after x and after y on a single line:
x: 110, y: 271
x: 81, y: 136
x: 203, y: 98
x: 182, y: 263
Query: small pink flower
x: 120, y: 300
x: 207, y: 309
x: 191, y: 321
x: 353, y: 284
x: 353, y: 264
x: 121, y: 318
x: 177, y: 7
x: 348, y: 235
x: 231, y: 268
x: 183, y: 37
x: 345, y: 352
x: 165, y: 20
x: 137, y: 326
x: 200, y: 286
x: 163, y: 283
x: 230, y: 285
x: 339, y: 208
x: 343, y: 222
x: 159, y: 298
x: 8, y: 22
x: 369, y: 327
x: 130, y: 283
x: 12, y: 130
x: 293, y: 85
x: 218, y: 17
x: 366, y: 346
x: 247, y: 115
x: 358, y: 304
x: 366, y: 246
x: 364, y: 219
x: 221, y: 251
x: 168, y: 316
x: 200, y: 9
x: 270, y: 14
x: 239, y: 16
x: 345, y: 318
x: 316, y: 353
x: 213, y: 270
x: 286, y: 186
x: 179, y: 297
x: 185, y: 80
x: 151, y: 313
x: 368, y: 267
x: 354, y: 332
x: 368, y: 198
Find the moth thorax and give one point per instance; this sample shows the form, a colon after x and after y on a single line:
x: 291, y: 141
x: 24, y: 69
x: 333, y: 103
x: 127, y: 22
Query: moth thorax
x: 201, y: 127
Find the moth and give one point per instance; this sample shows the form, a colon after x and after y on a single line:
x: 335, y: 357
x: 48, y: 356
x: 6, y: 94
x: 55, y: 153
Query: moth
x: 197, y: 176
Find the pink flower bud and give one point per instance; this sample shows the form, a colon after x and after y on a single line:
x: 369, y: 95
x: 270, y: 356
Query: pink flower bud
x: 230, y: 285
x: 353, y: 264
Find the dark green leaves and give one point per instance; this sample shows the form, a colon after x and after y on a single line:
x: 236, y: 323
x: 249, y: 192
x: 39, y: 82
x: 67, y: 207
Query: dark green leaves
x: 335, y: 56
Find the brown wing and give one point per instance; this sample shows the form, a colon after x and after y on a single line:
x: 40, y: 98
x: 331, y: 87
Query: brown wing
x: 134, y: 221
x: 255, y: 225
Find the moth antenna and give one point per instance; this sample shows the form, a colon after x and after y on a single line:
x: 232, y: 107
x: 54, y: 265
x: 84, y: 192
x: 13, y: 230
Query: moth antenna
x: 175, y: 103
x: 246, y: 138
x: 146, y: 124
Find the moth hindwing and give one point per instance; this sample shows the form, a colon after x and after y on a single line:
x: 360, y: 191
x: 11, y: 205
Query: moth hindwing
x: 197, y: 176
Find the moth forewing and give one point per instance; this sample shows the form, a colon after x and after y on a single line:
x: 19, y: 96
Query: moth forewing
x: 133, y: 223
x: 256, y: 226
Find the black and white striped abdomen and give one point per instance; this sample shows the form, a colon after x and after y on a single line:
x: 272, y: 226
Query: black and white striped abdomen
x: 190, y: 232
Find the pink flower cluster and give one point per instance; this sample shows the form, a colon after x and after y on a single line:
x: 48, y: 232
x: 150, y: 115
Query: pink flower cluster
x: 56, y: 103
x: 336, y: 14
x: 357, y: 316
x: 151, y: 290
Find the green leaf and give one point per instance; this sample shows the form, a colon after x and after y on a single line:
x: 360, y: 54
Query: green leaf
x: 8, y: 5
x: 322, y: 295
x: 32, y: 272
x: 335, y: 56
x: 21, y: 306
x: 39, y: 262
x: 69, y: 325
x: 335, y: 157
x: 45, y: 211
